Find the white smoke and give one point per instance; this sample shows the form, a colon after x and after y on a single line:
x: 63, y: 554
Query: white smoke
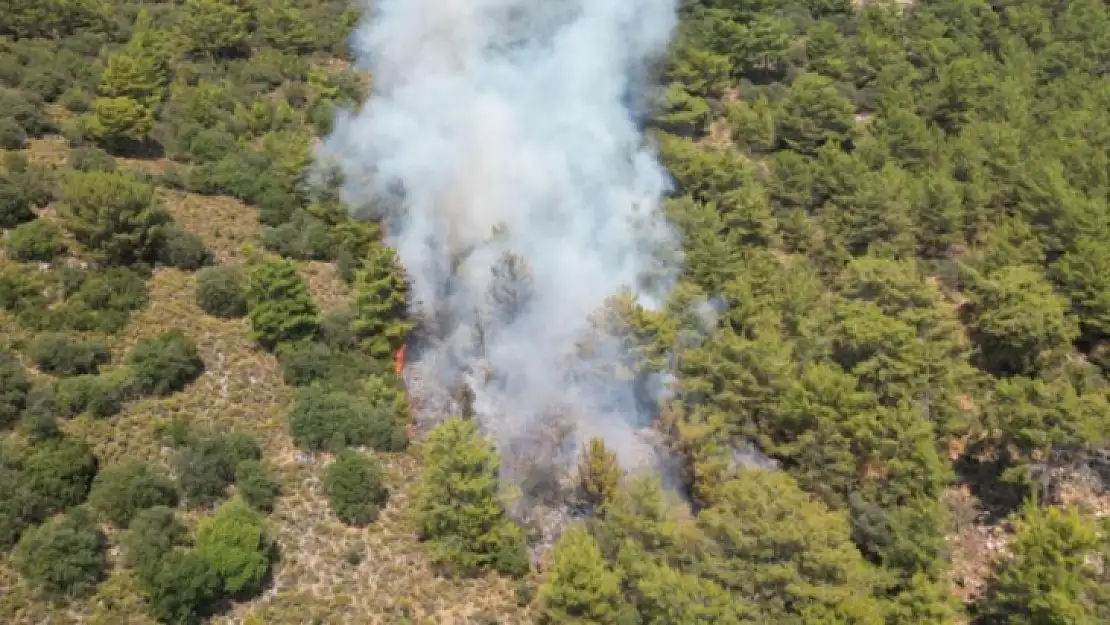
x: 501, y: 127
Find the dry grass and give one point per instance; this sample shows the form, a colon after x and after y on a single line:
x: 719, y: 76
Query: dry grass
x: 317, y: 578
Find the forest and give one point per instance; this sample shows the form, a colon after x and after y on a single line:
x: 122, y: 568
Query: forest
x: 901, y: 207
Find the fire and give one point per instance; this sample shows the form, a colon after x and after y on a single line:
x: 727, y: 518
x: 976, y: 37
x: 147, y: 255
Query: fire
x: 399, y: 360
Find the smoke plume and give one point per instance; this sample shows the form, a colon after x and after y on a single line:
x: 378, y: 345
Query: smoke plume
x: 501, y: 148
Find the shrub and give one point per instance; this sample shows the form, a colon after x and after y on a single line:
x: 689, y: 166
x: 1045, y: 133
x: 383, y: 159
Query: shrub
x: 321, y: 419
x: 45, y: 82
x: 12, y: 135
x: 256, y: 486
x: 15, y: 208
x: 354, y: 487
x: 38, y: 183
x: 120, y: 491
x: 164, y: 364
x: 234, y: 542
x: 61, y: 472
x: 91, y: 159
x: 153, y: 533
x: 64, y: 558
x: 26, y: 109
x: 14, y: 387
x: 116, y: 216
x: 303, y: 238
x: 210, y: 145
x: 99, y: 395
x: 183, y: 250
x: 279, y: 304
x: 61, y: 354
x: 20, y: 506
x: 181, y: 589
x: 38, y: 240
x: 104, y: 301
x: 39, y: 426
x: 76, y: 100
x: 308, y: 362
x: 206, y: 467
x: 222, y: 292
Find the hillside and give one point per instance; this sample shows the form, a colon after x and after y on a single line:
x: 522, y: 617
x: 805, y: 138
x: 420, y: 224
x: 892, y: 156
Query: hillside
x: 898, y: 412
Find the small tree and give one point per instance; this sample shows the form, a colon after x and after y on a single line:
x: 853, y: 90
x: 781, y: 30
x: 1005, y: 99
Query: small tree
x: 279, y: 304
x: 113, y: 214
x: 119, y: 122
x: 37, y: 240
x: 182, y: 588
x: 579, y: 587
x: 61, y: 354
x: 458, y: 505
x: 213, y: 27
x: 222, y: 291
x: 381, y: 303
x: 207, y: 466
x: 61, y: 472
x: 354, y: 487
x: 64, y: 558
x: 153, y: 533
x: 320, y: 419
x: 15, y: 207
x: 598, y: 472
x: 119, y: 492
x: 256, y: 486
x: 14, y: 386
x: 164, y: 364
x: 1052, y: 574
x: 20, y: 506
x: 234, y: 542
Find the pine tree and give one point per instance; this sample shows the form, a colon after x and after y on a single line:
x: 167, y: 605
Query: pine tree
x: 381, y: 303
x: 579, y: 588
x: 459, y: 510
x: 280, y: 305
x: 598, y: 472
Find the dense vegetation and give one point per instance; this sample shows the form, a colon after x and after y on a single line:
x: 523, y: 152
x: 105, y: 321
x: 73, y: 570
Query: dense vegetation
x: 901, y: 209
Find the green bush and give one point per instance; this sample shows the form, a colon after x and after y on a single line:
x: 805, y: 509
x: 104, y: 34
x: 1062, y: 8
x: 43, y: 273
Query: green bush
x: 303, y: 238
x: 153, y: 533
x: 90, y: 158
x: 26, y: 109
x: 321, y: 419
x: 182, y: 589
x: 39, y: 426
x: 206, y: 466
x: 209, y: 145
x: 76, y: 100
x: 120, y: 491
x: 235, y: 543
x: 14, y: 387
x: 354, y: 487
x: 61, y: 472
x: 61, y: 354
x: 164, y: 364
x: 99, y: 395
x: 104, y: 301
x: 15, y: 208
x: 20, y: 506
x: 279, y: 304
x: 222, y: 291
x: 256, y: 486
x: 38, y: 240
x: 183, y: 250
x: 116, y: 216
x: 307, y: 362
x: 12, y: 135
x: 65, y: 558
x: 46, y: 83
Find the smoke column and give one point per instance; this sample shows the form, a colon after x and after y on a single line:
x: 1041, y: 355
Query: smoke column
x: 501, y: 149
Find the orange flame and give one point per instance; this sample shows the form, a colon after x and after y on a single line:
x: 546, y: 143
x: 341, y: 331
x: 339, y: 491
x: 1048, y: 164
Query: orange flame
x: 399, y: 360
